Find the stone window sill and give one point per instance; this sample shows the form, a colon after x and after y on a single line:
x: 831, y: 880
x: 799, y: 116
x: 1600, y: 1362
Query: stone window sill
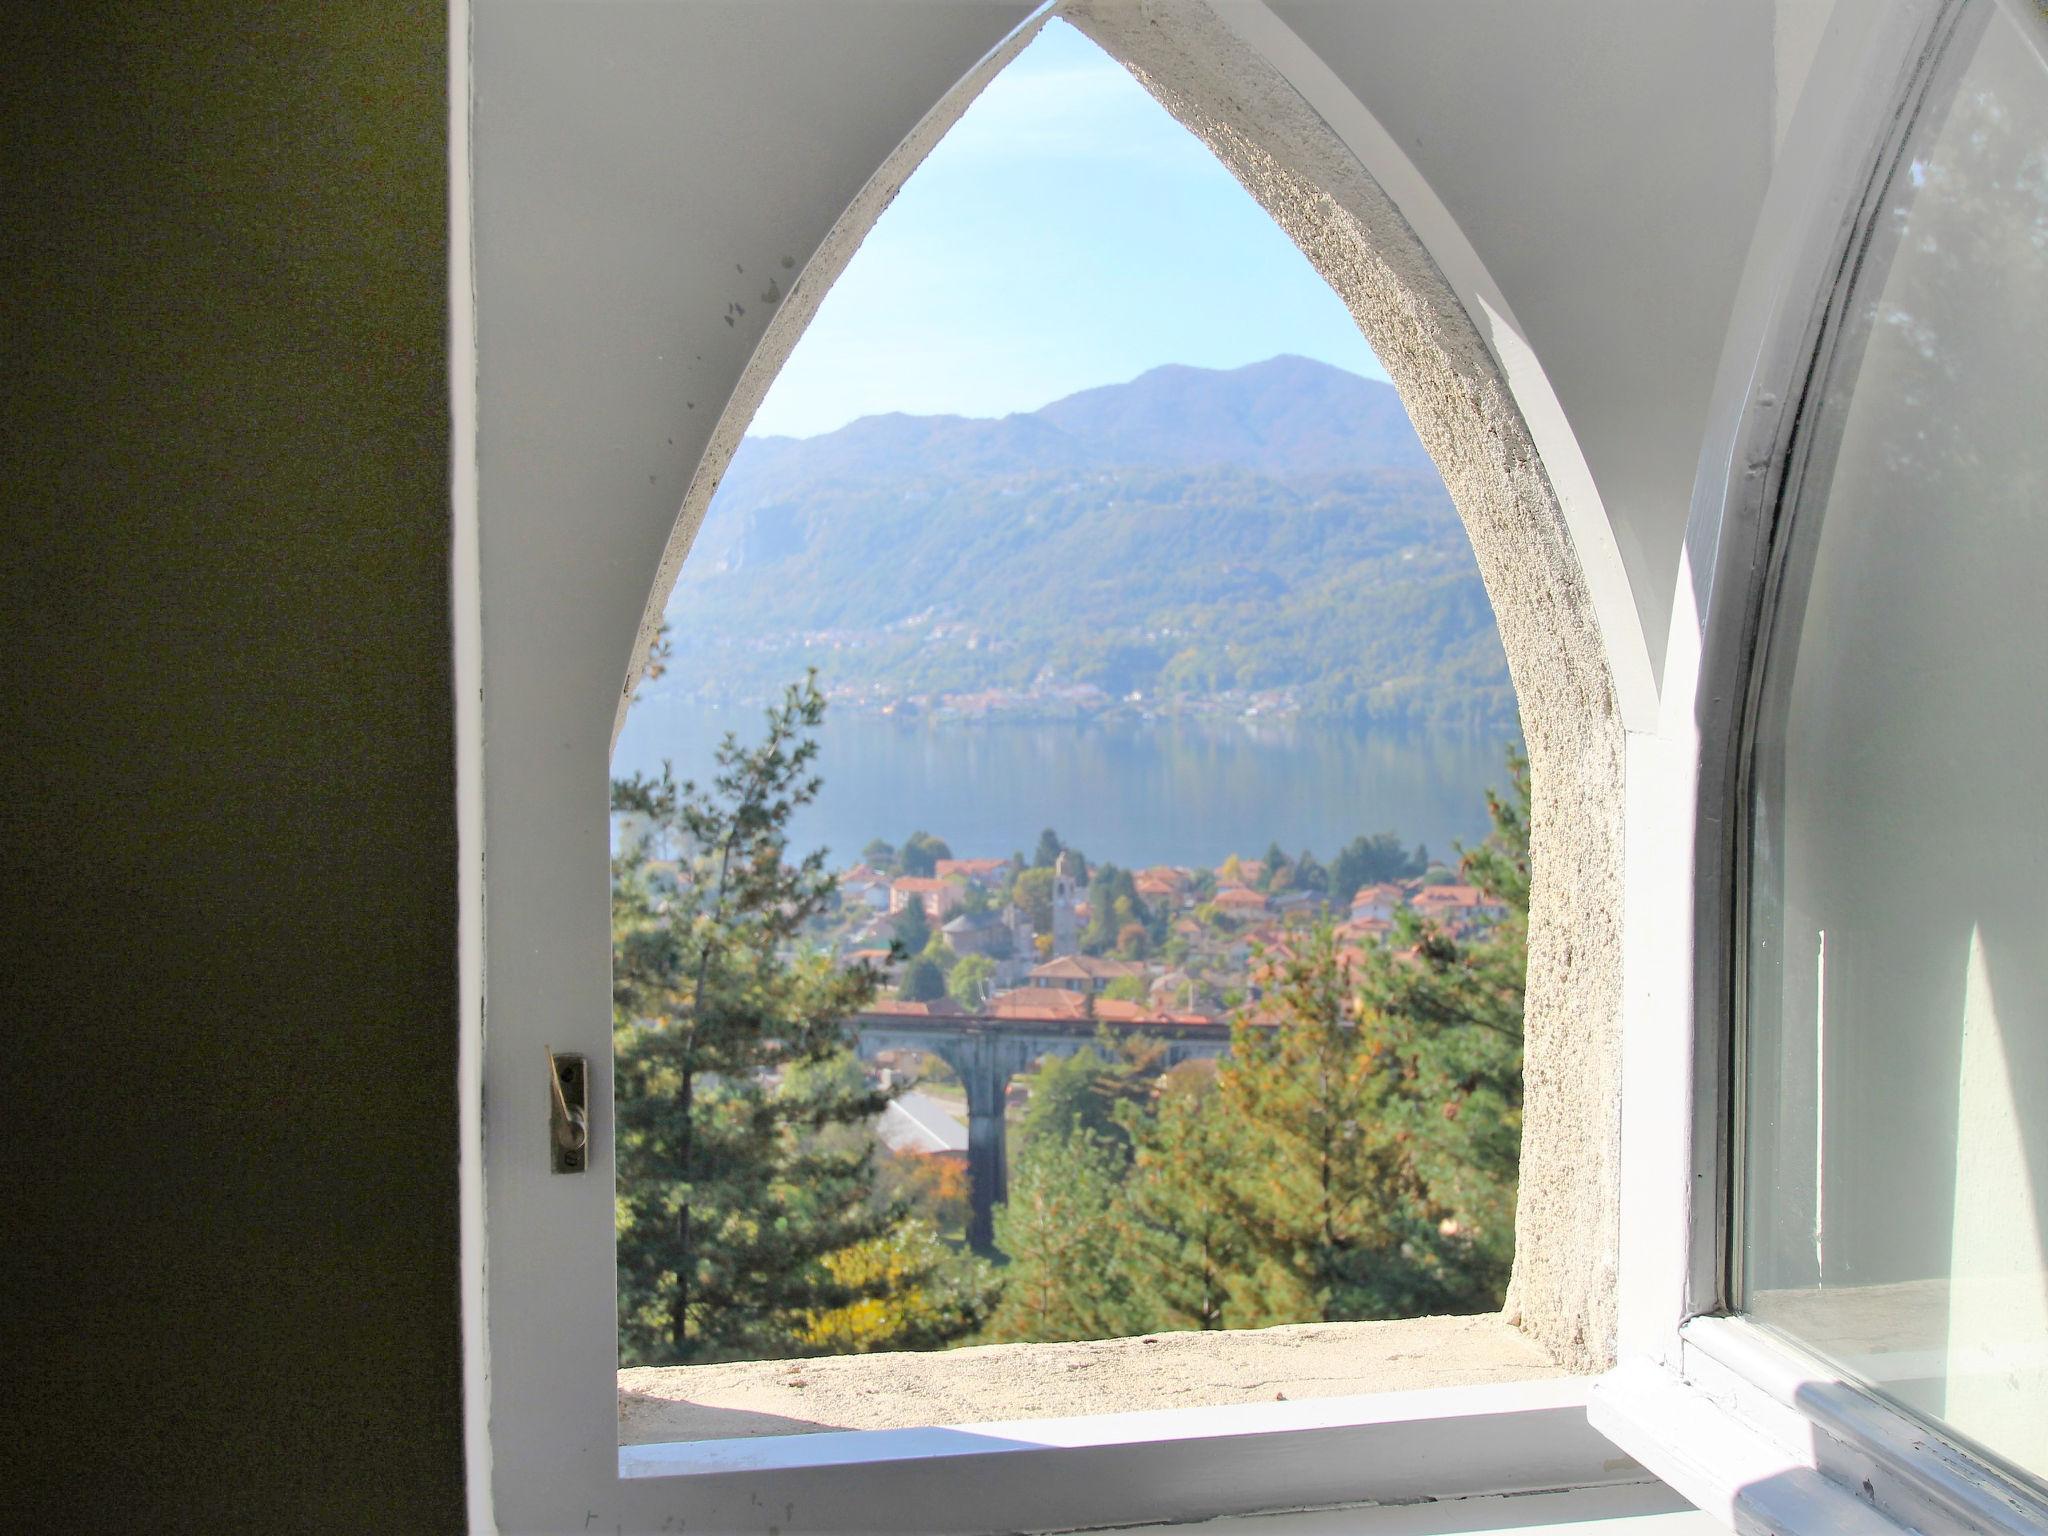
x: 1021, y: 1381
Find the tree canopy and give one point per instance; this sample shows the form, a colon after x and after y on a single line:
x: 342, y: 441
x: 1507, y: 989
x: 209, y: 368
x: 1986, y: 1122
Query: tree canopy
x: 746, y: 1177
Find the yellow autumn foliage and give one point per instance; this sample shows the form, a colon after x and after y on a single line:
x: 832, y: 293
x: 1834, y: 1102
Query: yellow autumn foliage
x: 912, y: 1299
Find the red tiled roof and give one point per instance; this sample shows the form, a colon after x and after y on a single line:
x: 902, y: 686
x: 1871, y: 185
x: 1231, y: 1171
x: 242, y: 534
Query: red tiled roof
x: 1091, y: 967
x: 896, y: 1007
x: 1369, y: 895
x: 1113, y: 1010
x: 1453, y: 896
x: 1031, y: 1002
x: 1138, y: 1015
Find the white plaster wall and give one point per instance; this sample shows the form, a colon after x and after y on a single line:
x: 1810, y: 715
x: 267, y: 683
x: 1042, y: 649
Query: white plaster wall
x: 1605, y: 159
x: 639, y: 168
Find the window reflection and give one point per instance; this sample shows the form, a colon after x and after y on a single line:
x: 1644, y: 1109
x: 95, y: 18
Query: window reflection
x: 1895, y: 1183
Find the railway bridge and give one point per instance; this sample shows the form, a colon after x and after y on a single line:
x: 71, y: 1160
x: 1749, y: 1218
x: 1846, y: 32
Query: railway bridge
x: 987, y: 1051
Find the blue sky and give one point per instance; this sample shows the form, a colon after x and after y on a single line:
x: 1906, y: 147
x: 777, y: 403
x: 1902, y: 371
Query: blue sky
x: 1066, y: 233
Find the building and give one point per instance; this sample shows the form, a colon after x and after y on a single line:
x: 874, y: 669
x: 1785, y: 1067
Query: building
x: 881, y: 958
x: 1380, y: 901
x: 1038, y: 1003
x: 939, y: 898
x: 917, y: 1125
x: 989, y: 933
x: 1067, y: 906
x: 1360, y: 930
x: 1162, y: 886
x: 865, y: 886
x: 1461, y: 908
x: 986, y: 873
x: 1240, y: 904
x: 1089, y: 974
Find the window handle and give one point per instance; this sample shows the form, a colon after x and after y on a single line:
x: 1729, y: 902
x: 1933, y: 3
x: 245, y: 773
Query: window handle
x: 568, y: 1111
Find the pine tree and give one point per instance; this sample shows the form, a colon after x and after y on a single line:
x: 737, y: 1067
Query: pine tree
x: 1370, y: 860
x: 923, y: 981
x: 1060, y: 1229
x: 921, y: 854
x: 1278, y: 873
x: 911, y: 930
x: 1309, y: 875
x: 1455, y: 1014
x: 1181, y: 1241
x: 731, y: 1065
x: 1321, y: 1185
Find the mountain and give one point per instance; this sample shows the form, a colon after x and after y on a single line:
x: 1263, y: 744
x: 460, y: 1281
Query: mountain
x: 1270, y: 536
x: 1284, y: 417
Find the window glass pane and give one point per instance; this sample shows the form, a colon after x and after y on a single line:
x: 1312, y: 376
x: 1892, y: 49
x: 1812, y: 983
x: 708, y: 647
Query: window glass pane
x: 1895, y: 1142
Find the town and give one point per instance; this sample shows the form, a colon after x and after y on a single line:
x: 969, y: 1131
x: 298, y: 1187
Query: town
x: 1056, y: 945
x: 1000, y: 1099
x: 1054, y: 937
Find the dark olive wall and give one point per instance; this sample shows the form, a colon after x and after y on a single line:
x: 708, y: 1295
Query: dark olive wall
x: 227, y: 952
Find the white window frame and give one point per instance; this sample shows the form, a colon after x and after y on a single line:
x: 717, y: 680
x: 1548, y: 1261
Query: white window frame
x: 1739, y: 1419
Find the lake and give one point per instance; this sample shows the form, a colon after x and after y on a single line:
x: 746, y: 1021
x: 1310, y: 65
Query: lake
x: 1134, y: 793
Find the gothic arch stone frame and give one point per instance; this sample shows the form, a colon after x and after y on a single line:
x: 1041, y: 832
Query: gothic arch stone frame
x: 1559, y: 653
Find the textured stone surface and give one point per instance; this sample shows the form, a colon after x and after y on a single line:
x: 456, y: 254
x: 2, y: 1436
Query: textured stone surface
x: 1292, y: 163
x: 1019, y: 1381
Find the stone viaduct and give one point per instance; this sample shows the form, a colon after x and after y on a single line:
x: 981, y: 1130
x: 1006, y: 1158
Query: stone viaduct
x: 987, y: 1052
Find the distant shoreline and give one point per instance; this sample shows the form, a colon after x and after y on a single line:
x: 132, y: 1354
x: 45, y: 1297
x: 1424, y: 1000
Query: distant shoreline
x: 1217, y: 710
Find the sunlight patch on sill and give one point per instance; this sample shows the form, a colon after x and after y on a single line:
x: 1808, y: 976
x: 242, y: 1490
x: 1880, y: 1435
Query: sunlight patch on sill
x: 1015, y: 1381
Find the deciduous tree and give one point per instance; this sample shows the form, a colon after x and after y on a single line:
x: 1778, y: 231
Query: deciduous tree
x: 973, y: 976
x: 1032, y: 895
x: 910, y: 1290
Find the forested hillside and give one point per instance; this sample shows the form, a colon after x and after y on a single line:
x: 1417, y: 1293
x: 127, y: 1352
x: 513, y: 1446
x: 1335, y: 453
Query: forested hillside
x: 1271, y: 537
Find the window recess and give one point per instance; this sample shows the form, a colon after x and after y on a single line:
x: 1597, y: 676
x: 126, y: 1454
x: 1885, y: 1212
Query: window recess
x: 1871, y: 1189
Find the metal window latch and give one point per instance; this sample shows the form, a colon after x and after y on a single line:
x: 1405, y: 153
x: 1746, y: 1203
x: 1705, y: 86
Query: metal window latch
x: 568, y: 1112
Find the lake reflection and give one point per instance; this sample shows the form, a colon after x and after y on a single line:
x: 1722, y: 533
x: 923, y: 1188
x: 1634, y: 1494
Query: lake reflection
x: 1133, y: 793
